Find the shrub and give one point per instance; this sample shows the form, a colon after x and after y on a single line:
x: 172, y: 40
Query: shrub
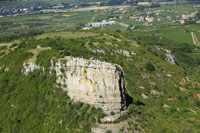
x: 198, y: 103
x: 149, y: 66
x: 90, y: 43
x: 108, y: 131
x: 112, y: 113
x: 62, y: 70
x: 130, y: 109
x: 66, y: 53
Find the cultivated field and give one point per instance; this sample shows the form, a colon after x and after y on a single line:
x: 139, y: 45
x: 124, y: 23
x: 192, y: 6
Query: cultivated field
x: 98, y: 8
x: 180, y: 33
x: 67, y: 35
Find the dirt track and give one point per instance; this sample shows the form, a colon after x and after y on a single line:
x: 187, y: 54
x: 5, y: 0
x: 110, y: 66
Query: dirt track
x: 115, y: 128
x: 194, y: 38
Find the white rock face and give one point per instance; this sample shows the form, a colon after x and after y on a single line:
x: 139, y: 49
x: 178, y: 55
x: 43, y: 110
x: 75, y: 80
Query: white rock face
x: 97, y: 130
x: 94, y: 82
x: 170, y: 57
x: 29, y: 67
x: 100, y: 51
x: 120, y: 51
x: 123, y: 52
x: 6, y: 69
x: 110, y: 118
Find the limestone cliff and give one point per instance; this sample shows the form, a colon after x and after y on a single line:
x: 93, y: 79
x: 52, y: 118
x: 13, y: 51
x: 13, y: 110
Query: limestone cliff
x: 94, y: 82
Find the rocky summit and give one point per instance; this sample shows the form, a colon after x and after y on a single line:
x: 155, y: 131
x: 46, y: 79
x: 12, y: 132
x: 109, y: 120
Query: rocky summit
x: 97, y: 83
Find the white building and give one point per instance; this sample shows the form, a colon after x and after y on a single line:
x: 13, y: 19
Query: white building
x: 191, y: 15
x: 158, y: 19
x: 132, y: 28
x: 149, y: 19
x: 198, y: 22
x: 182, y: 21
x: 103, y: 23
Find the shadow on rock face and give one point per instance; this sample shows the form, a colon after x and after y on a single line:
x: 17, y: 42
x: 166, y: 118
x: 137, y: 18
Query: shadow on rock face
x: 126, y: 100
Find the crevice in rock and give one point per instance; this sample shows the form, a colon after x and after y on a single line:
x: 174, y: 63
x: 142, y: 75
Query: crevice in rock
x: 126, y: 100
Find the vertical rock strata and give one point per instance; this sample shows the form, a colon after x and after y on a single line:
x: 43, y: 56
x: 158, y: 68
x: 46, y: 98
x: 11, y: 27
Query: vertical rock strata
x: 94, y: 82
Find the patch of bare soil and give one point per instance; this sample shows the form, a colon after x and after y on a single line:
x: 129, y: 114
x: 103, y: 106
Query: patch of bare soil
x: 66, y: 15
x: 115, y: 128
x: 37, y: 51
x: 194, y: 38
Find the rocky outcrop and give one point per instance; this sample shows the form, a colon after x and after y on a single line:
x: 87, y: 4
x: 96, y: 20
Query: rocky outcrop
x: 5, y: 69
x: 29, y: 67
x: 169, y: 56
x: 94, y: 82
x: 110, y: 118
x: 125, y: 52
x: 115, y: 52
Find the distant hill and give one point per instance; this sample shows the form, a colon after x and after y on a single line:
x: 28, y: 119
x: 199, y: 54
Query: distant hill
x: 7, y: 0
